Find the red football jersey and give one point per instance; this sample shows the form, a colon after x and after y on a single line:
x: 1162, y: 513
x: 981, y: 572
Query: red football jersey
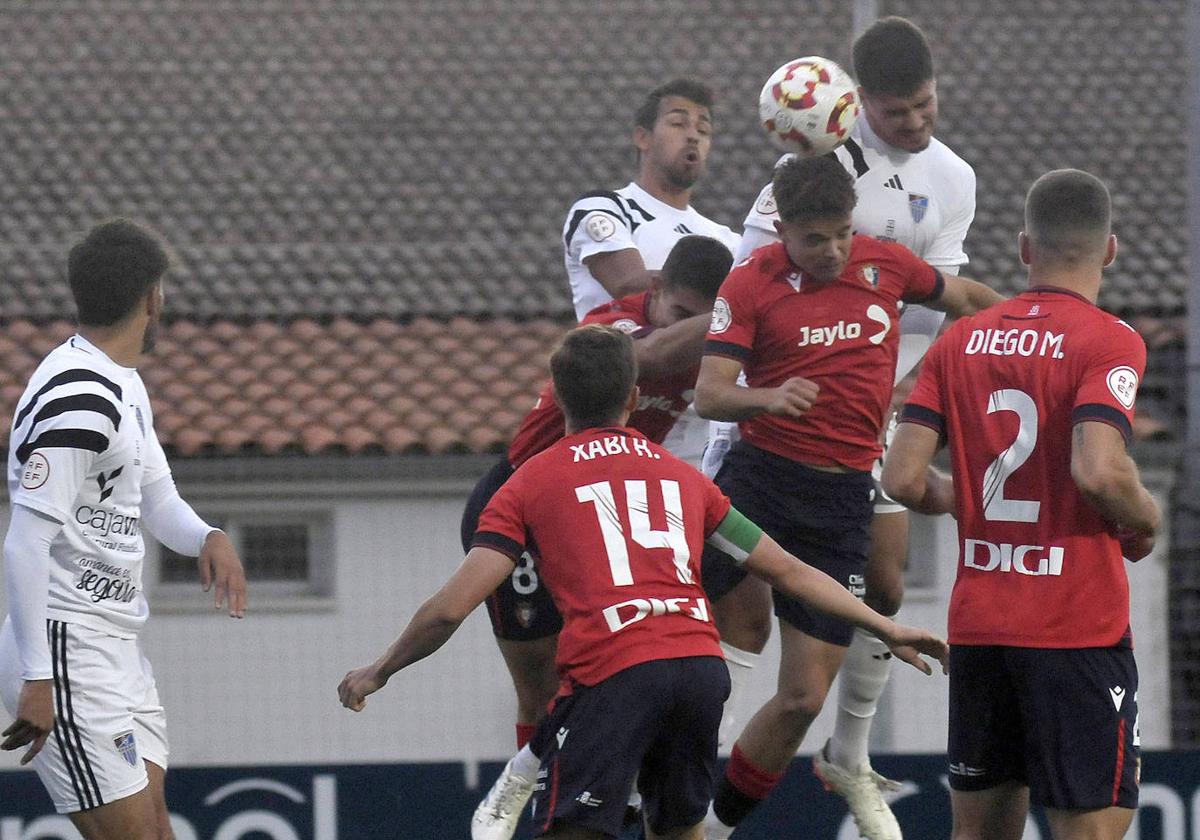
x: 620, y: 524
x: 842, y: 335
x: 1038, y: 566
x: 661, y: 403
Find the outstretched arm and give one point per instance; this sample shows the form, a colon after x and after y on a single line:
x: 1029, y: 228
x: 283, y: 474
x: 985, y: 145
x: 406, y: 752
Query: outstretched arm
x: 432, y: 625
x: 785, y: 572
x: 668, y: 350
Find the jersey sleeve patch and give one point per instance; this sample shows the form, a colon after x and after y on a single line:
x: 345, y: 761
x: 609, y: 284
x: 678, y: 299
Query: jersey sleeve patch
x: 721, y: 316
x: 1122, y: 381
x: 36, y: 471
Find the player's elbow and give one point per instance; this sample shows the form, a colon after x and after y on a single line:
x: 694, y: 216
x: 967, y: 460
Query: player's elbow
x: 1099, y: 478
x: 706, y: 400
x: 905, y: 486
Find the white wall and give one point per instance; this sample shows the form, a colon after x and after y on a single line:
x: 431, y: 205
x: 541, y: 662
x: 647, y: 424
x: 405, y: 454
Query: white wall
x: 263, y: 690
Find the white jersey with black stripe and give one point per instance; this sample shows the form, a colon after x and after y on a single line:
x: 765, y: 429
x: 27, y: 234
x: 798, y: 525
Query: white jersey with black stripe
x: 82, y: 447
x: 604, y: 221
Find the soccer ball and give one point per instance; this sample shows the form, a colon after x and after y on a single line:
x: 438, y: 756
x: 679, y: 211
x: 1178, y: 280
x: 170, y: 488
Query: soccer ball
x: 808, y: 106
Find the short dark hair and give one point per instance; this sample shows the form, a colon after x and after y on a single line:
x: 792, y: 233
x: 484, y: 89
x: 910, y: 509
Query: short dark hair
x: 594, y: 369
x: 698, y: 263
x: 892, y: 58
x: 1068, y: 215
x: 690, y: 89
x: 813, y: 188
x: 112, y: 268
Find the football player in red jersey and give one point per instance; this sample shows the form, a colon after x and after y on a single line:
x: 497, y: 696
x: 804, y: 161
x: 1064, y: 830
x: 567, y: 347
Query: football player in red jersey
x: 620, y: 524
x: 668, y: 324
x: 1035, y: 399
x: 812, y: 323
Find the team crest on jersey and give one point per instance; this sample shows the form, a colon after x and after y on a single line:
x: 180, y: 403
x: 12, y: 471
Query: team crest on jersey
x: 37, y: 470
x: 526, y: 613
x: 600, y: 227
x: 870, y: 274
x: 721, y: 317
x: 1123, y: 383
x: 626, y: 325
x: 127, y: 747
x: 765, y: 206
x: 917, y: 205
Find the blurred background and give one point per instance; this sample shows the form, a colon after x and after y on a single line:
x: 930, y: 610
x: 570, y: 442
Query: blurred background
x: 367, y: 201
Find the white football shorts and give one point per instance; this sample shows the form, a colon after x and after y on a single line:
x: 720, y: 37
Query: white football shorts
x: 108, y: 718
x: 883, y: 502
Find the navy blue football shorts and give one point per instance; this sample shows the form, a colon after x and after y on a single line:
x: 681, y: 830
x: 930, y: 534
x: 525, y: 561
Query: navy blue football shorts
x: 656, y: 722
x: 1062, y: 721
x: 821, y: 517
x: 521, y: 609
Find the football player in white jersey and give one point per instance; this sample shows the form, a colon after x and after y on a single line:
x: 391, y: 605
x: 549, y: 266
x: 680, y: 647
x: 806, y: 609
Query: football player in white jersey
x: 614, y: 241
x: 912, y: 189
x: 86, y: 474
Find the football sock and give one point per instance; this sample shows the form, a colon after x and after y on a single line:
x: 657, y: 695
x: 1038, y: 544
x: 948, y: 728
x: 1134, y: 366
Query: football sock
x: 862, y: 678
x: 524, y: 733
x: 525, y: 763
x: 740, y: 663
x: 741, y: 788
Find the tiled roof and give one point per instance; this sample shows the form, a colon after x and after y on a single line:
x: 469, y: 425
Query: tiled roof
x: 381, y: 387
x: 366, y: 158
x: 346, y: 387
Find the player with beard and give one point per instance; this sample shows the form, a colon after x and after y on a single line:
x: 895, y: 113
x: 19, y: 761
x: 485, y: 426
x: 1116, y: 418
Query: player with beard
x: 86, y: 474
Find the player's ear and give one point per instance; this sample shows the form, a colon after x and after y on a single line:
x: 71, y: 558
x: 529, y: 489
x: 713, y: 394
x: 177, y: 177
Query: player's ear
x: 1023, y: 247
x: 631, y: 403
x: 1110, y: 250
x: 155, y: 299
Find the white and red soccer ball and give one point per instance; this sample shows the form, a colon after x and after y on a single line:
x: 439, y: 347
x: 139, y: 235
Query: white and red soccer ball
x: 809, y: 105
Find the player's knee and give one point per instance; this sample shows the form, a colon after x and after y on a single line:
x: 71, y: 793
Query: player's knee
x: 801, y: 703
x: 885, y: 597
x: 745, y: 631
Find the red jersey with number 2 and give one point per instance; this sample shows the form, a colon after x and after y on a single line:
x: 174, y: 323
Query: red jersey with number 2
x: 620, y: 524
x: 842, y: 334
x: 1038, y: 565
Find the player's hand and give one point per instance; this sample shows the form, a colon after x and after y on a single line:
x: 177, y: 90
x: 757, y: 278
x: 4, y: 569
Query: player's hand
x: 357, y: 684
x: 908, y: 643
x: 792, y: 398
x: 220, y: 565
x: 1134, y: 544
x: 35, y: 719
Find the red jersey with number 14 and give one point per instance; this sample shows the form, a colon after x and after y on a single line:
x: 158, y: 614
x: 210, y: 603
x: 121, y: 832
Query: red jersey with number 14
x: 662, y: 400
x: 842, y: 334
x: 620, y: 525
x: 1038, y: 565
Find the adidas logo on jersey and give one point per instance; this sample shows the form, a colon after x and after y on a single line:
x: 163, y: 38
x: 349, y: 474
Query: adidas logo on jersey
x: 894, y: 183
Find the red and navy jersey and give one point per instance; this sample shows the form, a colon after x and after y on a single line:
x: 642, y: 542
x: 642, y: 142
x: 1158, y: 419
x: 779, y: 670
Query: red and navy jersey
x: 620, y: 525
x: 661, y: 403
x: 780, y: 323
x: 1038, y: 565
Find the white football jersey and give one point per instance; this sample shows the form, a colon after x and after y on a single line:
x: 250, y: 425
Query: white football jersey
x: 601, y: 222
x: 923, y: 200
x: 81, y: 449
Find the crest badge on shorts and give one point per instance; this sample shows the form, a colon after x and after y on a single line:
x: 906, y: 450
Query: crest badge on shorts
x: 525, y: 613
x: 127, y: 747
x: 917, y: 205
